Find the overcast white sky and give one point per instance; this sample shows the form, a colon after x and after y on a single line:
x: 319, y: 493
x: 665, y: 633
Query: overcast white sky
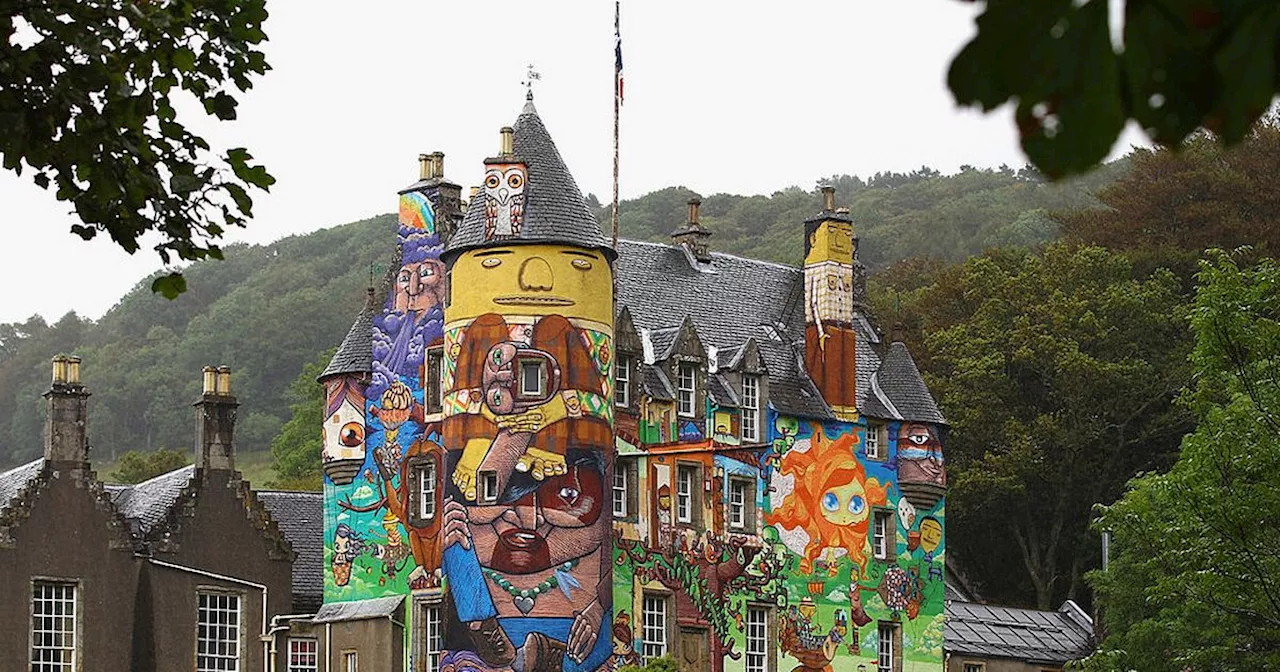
x: 722, y: 96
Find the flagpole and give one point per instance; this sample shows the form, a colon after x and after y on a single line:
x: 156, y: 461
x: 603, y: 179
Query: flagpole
x: 617, y: 95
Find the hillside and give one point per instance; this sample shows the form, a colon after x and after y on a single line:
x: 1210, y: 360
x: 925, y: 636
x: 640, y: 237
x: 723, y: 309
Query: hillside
x: 269, y: 309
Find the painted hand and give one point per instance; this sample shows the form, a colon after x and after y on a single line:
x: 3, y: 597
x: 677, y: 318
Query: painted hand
x: 456, y: 525
x: 585, y: 630
x: 464, y: 475
x: 534, y: 419
x: 540, y: 464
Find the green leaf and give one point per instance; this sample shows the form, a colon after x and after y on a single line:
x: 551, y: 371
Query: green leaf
x: 184, y: 59
x: 1248, y: 81
x: 169, y: 286
x: 241, y: 197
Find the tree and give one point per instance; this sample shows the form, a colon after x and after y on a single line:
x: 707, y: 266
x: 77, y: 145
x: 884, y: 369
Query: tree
x: 296, y: 449
x: 1057, y: 372
x: 136, y: 466
x: 89, y: 93
x: 1194, y: 581
x: 1179, y: 66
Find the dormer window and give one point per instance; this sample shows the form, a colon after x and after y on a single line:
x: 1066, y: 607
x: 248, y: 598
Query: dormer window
x: 687, y: 377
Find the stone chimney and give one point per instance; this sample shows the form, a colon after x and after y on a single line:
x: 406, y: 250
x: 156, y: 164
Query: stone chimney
x: 444, y: 197
x: 832, y: 291
x: 692, y: 236
x: 65, y: 437
x: 216, y: 421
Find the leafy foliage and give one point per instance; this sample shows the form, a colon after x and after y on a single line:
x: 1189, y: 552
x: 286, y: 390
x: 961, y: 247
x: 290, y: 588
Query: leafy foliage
x: 296, y: 449
x: 265, y: 311
x: 1194, y: 582
x: 1181, y: 65
x: 89, y: 93
x: 136, y: 466
x: 662, y: 664
x: 1057, y: 372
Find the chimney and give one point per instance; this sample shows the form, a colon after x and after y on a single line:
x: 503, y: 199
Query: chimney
x: 828, y: 198
x: 692, y: 236
x: 834, y: 285
x: 65, y: 438
x: 216, y: 421
x: 508, y: 141
x: 426, y: 167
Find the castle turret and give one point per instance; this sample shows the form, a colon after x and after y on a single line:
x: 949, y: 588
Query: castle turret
x: 528, y: 416
x: 830, y: 341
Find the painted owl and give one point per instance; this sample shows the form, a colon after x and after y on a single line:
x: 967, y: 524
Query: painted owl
x: 504, y: 200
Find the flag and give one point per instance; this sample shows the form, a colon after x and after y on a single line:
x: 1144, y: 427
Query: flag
x: 617, y: 48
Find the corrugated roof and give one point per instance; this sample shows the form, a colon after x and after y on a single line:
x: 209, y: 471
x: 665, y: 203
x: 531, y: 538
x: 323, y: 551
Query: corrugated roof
x: 554, y: 210
x: 378, y: 607
x: 14, y: 481
x: 300, y: 516
x: 1025, y: 634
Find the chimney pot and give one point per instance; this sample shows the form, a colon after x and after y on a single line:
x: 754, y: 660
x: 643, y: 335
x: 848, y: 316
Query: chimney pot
x: 426, y: 167
x: 508, y: 141
x: 210, y: 380
x: 73, y: 370
x: 224, y: 381
x: 437, y: 161
x: 60, y: 370
x: 828, y: 198
x: 65, y: 436
x: 695, y: 204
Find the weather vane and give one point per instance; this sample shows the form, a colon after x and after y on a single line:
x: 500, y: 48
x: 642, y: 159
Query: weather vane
x: 530, y: 77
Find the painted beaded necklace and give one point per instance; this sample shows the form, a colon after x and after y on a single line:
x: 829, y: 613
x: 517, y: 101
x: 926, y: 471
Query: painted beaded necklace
x: 524, y: 598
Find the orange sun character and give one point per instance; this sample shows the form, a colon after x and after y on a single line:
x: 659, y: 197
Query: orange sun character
x: 832, y: 500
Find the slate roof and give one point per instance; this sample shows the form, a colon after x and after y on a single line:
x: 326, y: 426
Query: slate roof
x: 656, y: 384
x: 1052, y: 637
x: 146, y: 504
x: 897, y: 391
x: 300, y: 516
x: 378, y: 607
x: 355, y: 355
x: 554, y: 210
x: 729, y: 300
x: 721, y: 391
x: 15, y: 480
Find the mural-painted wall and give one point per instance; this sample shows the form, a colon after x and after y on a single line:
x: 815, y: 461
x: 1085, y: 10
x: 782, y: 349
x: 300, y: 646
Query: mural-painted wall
x: 528, y: 432
x: 380, y: 438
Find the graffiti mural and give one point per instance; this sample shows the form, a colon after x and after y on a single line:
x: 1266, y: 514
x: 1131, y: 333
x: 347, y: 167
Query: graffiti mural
x: 864, y: 552
x: 380, y: 440
x: 528, y: 433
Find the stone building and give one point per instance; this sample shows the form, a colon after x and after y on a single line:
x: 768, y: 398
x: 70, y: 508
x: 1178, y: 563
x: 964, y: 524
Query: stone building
x: 545, y: 452
x: 189, y: 570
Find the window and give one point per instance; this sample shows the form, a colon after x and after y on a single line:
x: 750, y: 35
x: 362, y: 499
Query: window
x: 750, y: 408
x: 887, y: 650
x: 622, y: 380
x: 427, y: 490
x: 741, y: 503
x: 757, y: 639
x: 687, y: 376
x: 687, y: 482
x: 434, y: 380
x: 53, y: 626
x: 350, y: 661
x: 620, y: 490
x: 426, y: 645
x: 654, y: 630
x: 883, y: 544
x: 304, y: 655
x: 975, y: 667
x: 873, y: 442
x: 489, y: 487
x: 532, y: 375
x: 217, y: 632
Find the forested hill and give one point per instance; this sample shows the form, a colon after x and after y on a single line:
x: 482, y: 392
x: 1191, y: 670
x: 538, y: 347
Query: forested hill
x: 896, y: 215
x: 267, y: 310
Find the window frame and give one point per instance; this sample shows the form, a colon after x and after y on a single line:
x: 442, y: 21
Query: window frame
x: 746, y: 507
x: 690, y: 392
x: 291, y: 663
x: 886, y: 536
x: 620, y: 494
x: 214, y: 597
x: 526, y: 363
x: 428, y: 632
x: 73, y: 620
x: 426, y: 489
x: 433, y: 386
x: 622, y: 381
x: 751, y: 408
x: 488, y: 487
x: 761, y: 661
x: 974, y: 666
x: 647, y: 627
x: 894, y: 653
x: 692, y: 500
x: 350, y: 660
x: 873, y: 442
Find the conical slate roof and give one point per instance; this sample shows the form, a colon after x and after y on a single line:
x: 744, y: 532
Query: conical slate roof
x: 355, y: 355
x: 898, y: 391
x: 554, y: 210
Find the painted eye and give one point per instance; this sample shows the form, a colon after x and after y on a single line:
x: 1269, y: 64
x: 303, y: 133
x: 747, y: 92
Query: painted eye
x: 497, y: 398
x: 491, y: 262
x: 351, y: 434
x: 855, y: 504
x: 919, y: 439
x: 426, y: 271
x: 515, y: 180
x: 492, y: 181
x: 569, y: 495
x: 403, y: 278
x: 581, y: 264
x: 830, y: 502
x: 497, y: 356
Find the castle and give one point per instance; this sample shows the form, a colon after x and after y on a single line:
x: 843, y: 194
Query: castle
x: 544, y: 452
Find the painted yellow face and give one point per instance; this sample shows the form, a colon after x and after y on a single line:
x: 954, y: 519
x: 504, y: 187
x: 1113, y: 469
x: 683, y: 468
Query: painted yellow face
x: 831, y: 241
x: 930, y: 534
x: 844, y: 504
x: 532, y: 280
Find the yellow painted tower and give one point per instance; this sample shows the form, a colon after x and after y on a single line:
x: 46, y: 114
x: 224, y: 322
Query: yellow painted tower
x: 528, y: 418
